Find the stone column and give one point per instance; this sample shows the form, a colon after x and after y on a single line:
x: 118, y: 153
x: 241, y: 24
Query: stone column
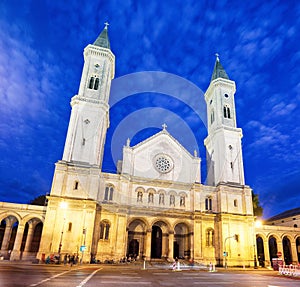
x: 267, y: 253
x: 280, y: 247
x: 29, y: 239
x: 191, y: 245
x: 164, y: 249
x: 6, y: 237
x: 294, y: 253
x: 171, y: 246
x: 148, y: 244
x: 15, y: 254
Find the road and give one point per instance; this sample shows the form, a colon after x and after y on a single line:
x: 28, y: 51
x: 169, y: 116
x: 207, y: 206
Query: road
x: 30, y: 275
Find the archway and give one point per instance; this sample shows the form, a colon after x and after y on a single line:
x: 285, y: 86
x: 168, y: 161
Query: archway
x: 136, y: 238
x: 272, y: 248
x: 287, y: 252
x: 156, y: 242
x: 260, y: 251
x: 36, y: 239
x: 181, y: 241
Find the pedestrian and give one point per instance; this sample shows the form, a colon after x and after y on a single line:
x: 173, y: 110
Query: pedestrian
x: 65, y: 259
x: 72, y: 260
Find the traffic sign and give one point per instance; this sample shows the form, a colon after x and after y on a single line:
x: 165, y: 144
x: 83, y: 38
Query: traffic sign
x: 279, y: 253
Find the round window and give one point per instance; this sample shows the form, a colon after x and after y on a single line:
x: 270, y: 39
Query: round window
x: 163, y: 163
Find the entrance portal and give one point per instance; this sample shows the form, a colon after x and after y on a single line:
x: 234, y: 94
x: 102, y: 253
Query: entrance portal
x: 133, y: 248
x: 156, y: 242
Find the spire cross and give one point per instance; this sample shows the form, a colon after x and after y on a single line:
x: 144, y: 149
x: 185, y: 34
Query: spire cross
x: 106, y: 25
x: 164, y: 126
x: 217, y: 56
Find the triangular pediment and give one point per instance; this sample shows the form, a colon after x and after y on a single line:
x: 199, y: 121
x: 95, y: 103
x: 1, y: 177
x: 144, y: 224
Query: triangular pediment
x: 161, y: 156
x: 159, y: 138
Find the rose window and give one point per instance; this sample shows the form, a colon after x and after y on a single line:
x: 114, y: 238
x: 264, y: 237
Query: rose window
x: 163, y: 163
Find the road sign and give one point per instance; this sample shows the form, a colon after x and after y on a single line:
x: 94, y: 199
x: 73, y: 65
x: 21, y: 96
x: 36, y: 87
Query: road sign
x: 279, y: 253
x: 82, y: 248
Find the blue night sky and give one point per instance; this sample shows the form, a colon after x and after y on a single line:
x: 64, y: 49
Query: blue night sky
x: 41, y: 46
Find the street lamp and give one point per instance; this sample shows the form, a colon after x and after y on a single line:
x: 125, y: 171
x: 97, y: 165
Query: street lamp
x: 63, y: 205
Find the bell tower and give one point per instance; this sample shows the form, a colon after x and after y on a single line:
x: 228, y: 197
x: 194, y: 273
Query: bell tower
x: 223, y: 143
x: 77, y: 174
x: 89, y: 117
x: 72, y: 204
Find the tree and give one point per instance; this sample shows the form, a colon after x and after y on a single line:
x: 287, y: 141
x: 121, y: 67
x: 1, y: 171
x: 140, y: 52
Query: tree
x: 39, y: 200
x: 257, y: 208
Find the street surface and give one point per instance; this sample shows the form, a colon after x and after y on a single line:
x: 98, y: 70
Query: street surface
x: 30, y: 275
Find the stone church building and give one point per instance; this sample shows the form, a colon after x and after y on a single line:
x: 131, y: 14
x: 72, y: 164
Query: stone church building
x: 155, y: 206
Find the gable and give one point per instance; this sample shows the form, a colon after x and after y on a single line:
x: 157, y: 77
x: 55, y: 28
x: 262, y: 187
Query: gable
x: 161, y: 157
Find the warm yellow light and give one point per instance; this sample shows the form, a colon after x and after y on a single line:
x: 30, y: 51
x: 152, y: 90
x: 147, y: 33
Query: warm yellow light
x: 258, y: 223
x: 63, y: 205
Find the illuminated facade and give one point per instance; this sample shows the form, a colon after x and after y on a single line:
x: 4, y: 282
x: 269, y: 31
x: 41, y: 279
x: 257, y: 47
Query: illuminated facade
x: 155, y: 207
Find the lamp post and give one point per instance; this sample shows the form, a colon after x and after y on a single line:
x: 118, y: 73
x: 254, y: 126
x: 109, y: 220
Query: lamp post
x: 63, y: 205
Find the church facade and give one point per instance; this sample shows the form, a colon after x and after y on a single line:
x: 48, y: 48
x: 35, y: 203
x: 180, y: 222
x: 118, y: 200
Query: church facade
x: 155, y: 206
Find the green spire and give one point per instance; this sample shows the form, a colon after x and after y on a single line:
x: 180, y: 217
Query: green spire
x: 102, y: 40
x: 219, y: 71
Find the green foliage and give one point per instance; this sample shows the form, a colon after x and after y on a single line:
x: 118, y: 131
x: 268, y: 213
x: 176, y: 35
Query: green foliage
x: 257, y: 208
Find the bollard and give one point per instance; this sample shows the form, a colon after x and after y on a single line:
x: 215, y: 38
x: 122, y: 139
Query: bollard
x: 144, y: 267
x: 214, y: 268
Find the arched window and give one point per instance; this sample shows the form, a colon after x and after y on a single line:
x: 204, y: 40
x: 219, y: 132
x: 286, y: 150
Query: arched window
x: 109, y: 193
x: 139, y: 196
x: 91, y: 84
x: 172, y: 200
x: 212, y: 117
x: 104, y: 230
x: 226, y: 111
x: 161, y: 199
x: 150, y: 197
x: 96, y: 86
x: 208, y: 203
x: 182, y: 200
x: 70, y: 226
x: 235, y: 203
x: 210, y: 237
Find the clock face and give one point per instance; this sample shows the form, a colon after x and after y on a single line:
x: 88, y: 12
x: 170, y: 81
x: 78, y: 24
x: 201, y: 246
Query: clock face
x: 163, y: 163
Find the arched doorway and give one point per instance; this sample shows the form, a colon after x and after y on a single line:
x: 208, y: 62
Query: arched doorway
x: 156, y: 242
x: 260, y: 251
x: 286, y: 245
x: 272, y: 248
x: 136, y: 238
x: 134, y: 248
x: 181, y: 241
